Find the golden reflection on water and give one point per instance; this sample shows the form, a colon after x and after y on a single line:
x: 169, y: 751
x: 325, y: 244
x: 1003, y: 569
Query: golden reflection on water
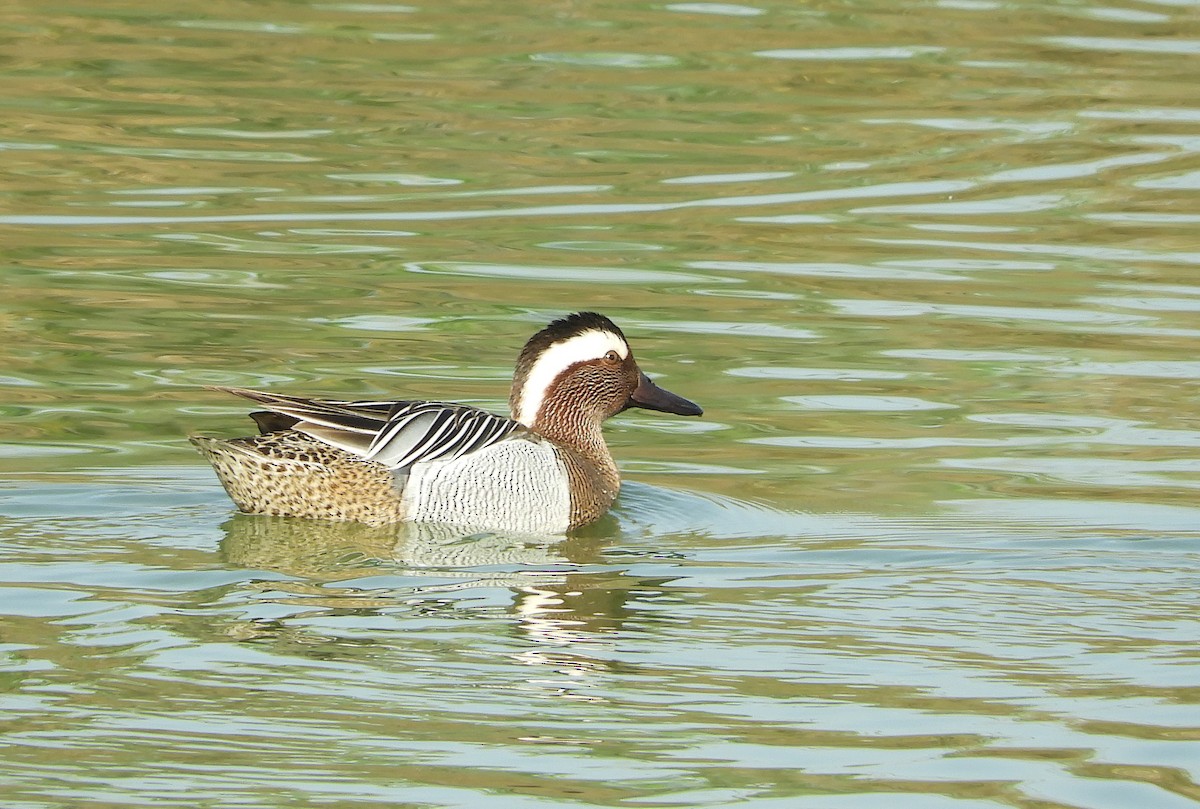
x: 929, y: 267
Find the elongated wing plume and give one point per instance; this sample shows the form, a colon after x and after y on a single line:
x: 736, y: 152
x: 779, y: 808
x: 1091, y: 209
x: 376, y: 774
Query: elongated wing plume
x: 396, y: 434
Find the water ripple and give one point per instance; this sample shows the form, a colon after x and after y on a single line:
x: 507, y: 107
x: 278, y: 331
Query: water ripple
x: 1053, y: 315
x: 1186, y: 47
x: 591, y: 209
x: 728, y: 9
x: 851, y: 54
x: 600, y: 59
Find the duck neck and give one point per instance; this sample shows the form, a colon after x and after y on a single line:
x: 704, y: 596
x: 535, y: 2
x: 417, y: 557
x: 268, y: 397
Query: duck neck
x: 580, y: 433
x: 595, y: 480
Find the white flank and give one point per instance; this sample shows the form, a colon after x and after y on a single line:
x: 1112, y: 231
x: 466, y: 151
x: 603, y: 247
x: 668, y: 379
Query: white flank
x: 517, y: 485
x: 588, y: 345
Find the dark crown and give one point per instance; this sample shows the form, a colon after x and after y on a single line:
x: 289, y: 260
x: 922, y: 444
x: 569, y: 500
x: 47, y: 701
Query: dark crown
x: 563, y: 329
x: 577, y: 323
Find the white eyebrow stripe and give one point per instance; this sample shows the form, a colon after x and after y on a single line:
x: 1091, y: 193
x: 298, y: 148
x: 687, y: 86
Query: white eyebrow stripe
x: 587, y: 345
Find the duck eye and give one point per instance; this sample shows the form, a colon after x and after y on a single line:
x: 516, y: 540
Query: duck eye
x: 612, y: 356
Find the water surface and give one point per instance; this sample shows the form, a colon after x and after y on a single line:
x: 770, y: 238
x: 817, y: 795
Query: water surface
x: 930, y: 267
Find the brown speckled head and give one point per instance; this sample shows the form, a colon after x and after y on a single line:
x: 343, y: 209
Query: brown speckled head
x: 577, y: 372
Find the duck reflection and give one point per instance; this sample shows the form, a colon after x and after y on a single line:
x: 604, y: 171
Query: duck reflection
x: 335, y: 551
x: 556, y: 601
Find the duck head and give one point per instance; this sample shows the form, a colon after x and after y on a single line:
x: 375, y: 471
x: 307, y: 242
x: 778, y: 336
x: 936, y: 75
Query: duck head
x: 577, y: 372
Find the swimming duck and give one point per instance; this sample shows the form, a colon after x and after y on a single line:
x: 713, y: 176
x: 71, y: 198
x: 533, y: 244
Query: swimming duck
x: 546, y: 469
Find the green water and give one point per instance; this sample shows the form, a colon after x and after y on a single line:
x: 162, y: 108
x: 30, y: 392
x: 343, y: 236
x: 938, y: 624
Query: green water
x: 932, y: 269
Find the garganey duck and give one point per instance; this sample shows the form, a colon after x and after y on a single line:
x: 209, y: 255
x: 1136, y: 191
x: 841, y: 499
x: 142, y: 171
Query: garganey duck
x: 545, y: 470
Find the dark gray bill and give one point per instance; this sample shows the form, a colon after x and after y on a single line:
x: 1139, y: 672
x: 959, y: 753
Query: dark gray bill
x: 652, y: 397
